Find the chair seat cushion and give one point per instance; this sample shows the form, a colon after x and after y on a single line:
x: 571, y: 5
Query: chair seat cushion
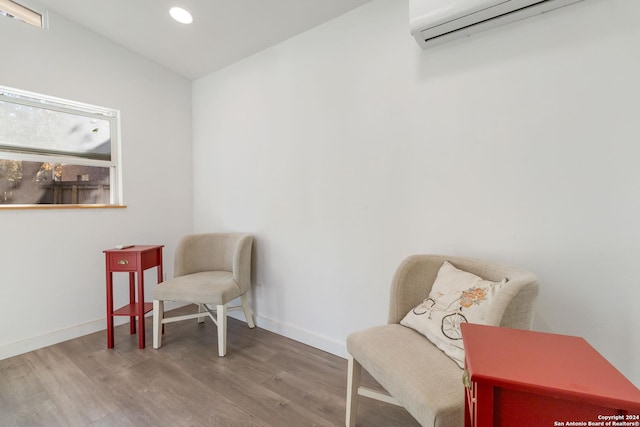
x: 207, y: 287
x: 414, y: 371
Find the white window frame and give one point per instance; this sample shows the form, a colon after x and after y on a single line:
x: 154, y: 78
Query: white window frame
x: 33, y: 99
x: 25, y: 11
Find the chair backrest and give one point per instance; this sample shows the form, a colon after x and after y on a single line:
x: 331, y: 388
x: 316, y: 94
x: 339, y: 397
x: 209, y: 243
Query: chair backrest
x: 215, y: 252
x: 513, y: 306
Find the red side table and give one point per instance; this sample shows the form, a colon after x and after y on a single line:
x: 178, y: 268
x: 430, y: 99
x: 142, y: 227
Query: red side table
x: 534, y: 379
x: 134, y: 259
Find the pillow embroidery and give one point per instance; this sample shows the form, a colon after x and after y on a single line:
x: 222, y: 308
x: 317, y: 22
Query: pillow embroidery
x: 456, y: 297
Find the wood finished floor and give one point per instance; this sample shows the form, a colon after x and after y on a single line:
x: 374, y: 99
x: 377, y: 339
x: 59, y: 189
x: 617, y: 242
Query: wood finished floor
x: 265, y: 380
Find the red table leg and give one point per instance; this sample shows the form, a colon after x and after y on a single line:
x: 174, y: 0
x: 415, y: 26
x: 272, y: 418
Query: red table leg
x: 141, y: 340
x: 132, y: 300
x: 109, y: 309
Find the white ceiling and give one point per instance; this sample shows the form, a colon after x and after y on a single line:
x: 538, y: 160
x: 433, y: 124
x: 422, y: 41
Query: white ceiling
x: 223, y: 31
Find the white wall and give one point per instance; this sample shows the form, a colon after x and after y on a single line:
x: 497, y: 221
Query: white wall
x: 347, y: 148
x: 52, y: 279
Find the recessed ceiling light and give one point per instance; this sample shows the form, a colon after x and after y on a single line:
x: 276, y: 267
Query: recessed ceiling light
x: 181, y: 15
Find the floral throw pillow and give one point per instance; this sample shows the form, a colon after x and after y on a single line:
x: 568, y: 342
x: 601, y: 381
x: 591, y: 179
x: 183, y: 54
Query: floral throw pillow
x: 456, y: 297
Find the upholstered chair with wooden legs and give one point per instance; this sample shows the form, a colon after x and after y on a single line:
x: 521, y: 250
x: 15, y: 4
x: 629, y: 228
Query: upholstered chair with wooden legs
x: 413, y: 371
x: 211, y: 270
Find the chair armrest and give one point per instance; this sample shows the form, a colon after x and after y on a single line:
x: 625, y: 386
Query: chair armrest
x: 180, y: 267
x: 412, y: 283
x: 242, y: 261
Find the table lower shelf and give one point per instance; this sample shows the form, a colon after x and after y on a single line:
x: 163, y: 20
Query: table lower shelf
x: 132, y: 309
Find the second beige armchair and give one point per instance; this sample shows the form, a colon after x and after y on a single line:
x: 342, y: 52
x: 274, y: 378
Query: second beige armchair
x: 211, y: 270
x: 413, y: 371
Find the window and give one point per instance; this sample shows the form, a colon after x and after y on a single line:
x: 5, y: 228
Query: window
x: 15, y: 10
x: 57, y: 152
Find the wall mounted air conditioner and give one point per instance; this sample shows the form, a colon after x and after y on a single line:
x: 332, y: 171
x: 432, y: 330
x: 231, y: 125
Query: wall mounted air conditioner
x: 438, y: 21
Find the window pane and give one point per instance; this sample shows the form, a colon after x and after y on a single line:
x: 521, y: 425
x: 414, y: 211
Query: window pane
x: 24, y: 182
x: 31, y: 129
x: 57, y: 151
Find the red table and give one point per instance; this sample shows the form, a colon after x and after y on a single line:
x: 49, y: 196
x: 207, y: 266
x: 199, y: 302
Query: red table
x: 134, y: 259
x: 525, y: 378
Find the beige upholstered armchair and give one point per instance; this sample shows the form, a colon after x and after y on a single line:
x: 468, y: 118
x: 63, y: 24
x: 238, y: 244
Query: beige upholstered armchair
x: 414, y: 372
x: 211, y: 270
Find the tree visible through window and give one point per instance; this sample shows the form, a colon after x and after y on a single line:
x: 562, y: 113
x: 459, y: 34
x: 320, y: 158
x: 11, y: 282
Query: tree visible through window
x: 54, y: 151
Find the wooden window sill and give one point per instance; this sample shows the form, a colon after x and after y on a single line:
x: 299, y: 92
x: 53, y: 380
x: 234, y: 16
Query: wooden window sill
x: 37, y: 207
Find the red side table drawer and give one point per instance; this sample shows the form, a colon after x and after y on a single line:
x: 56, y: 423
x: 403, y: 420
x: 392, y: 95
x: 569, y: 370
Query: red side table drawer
x: 123, y: 261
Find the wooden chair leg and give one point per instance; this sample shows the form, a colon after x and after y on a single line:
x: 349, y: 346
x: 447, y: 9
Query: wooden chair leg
x: 222, y: 329
x: 248, y: 314
x: 158, y: 315
x: 201, y: 309
x: 354, y: 373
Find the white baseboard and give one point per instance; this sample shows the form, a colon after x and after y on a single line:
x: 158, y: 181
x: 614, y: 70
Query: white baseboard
x: 304, y: 336
x: 330, y: 345
x: 55, y: 337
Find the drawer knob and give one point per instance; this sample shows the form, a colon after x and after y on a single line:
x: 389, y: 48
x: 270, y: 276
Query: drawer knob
x: 123, y: 262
